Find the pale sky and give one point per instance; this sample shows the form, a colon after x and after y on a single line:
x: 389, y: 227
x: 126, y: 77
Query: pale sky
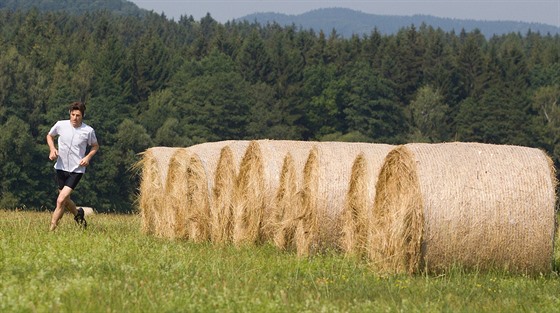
x: 538, y: 11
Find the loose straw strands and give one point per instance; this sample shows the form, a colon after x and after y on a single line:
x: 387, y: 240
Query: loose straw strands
x: 176, y: 188
x: 326, y: 179
x: 476, y: 206
x: 154, y: 164
x: 256, y: 188
x: 193, y: 187
x: 395, y: 231
x: 221, y: 223
x: 358, y: 205
x: 288, y: 198
x: 286, y: 179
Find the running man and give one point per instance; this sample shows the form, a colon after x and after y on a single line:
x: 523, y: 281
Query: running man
x: 74, y: 136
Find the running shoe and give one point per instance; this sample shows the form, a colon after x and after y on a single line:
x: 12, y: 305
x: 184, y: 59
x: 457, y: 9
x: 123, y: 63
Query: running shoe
x: 80, y: 219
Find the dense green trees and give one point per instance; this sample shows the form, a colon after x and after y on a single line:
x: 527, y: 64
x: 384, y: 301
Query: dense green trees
x: 151, y: 81
x: 428, y: 114
x: 73, y: 6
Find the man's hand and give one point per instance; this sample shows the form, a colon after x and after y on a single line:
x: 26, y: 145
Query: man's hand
x: 53, y: 155
x: 84, y: 161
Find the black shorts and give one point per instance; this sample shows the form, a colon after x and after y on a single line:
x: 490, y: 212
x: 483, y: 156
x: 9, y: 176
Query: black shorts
x: 69, y: 179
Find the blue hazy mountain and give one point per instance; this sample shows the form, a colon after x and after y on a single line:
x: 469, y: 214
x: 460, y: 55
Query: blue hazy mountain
x: 347, y: 22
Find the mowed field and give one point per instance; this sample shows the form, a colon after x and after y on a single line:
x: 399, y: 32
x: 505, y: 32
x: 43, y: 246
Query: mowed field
x: 113, y: 267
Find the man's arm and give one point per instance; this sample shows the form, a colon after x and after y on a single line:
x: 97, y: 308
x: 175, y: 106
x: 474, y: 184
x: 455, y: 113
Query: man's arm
x: 92, y: 152
x: 53, y: 154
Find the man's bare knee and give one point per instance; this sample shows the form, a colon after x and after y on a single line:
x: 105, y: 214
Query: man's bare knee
x: 63, y: 196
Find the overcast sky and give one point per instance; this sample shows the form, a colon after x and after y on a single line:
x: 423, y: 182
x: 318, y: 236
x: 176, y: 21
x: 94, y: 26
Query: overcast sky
x: 539, y: 11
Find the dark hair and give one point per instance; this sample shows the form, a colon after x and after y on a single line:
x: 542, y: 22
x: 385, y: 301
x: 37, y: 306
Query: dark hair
x: 78, y: 106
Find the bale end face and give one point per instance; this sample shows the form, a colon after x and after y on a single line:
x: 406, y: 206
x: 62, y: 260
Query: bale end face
x: 467, y: 205
x: 395, y: 236
x: 176, y: 187
x: 284, y: 221
x: 355, y: 219
x: 249, y: 199
x: 147, y: 199
x: 307, y: 223
x: 222, y: 205
x: 198, y: 201
x: 154, y: 164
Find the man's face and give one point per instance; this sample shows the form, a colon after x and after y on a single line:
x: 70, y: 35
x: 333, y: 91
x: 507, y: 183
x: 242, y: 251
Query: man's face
x: 76, y: 118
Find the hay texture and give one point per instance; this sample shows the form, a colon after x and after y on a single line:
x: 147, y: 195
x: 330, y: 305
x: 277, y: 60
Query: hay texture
x: 176, y: 187
x: 154, y: 164
x: 256, y: 188
x: 190, y: 183
x: 471, y: 205
x: 221, y: 217
x: 288, y: 197
x: 197, y: 200
x: 326, y: 181
x: 358, y: 205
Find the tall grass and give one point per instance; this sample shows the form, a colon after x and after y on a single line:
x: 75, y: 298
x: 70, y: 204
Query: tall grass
x: 112, y: 267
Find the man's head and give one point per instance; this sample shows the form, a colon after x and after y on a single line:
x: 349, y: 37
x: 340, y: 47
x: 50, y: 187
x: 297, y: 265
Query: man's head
x: 78, y: 106
x: 77, y: 111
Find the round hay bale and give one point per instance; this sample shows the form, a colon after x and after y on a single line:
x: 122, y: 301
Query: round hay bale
x: 326, y: 180
x: 197, y: 198
x: 194, y: 190
x: 153, y: 164
x: 87, y: 210
x: 146, y: 202
x: 176, y: 187
x: 221, y: 223
x: 189, y: 188
x: 476, y: 206
x: 356, y: 213
x: 288, y: 198
x: 285, y: 197
x: 256, y: 187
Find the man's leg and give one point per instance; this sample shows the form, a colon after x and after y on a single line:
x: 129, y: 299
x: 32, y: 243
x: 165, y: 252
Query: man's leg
x: 71, y: 206
x: 63, y: 196
x: 78, y: 213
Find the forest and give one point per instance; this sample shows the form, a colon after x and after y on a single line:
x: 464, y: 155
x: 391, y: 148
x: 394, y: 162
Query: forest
x: 151, y: 81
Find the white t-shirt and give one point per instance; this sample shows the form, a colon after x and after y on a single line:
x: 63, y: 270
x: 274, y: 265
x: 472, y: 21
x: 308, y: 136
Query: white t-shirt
x: 72, y: 144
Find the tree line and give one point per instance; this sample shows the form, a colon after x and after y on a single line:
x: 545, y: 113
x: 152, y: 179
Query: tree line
x: 150, y: 81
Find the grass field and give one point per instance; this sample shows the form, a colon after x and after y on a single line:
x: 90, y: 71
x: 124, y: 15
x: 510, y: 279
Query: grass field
x: 112, y: 267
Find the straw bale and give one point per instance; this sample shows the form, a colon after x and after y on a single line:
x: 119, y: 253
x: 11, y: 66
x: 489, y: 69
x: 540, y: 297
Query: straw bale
x: 357, y: 210
x: 145, y: 203
x: 476, y: 206
x: 196, y: 189
x: 189, y: 186
x: 396, y: 230
x: 221, y: 222
x: 197, y: 199
x: 176, y: 187
x: 209, y: 153
x: 153, y: 164
x: 88, y: 210
x: 288, y: 198
x: 326, y: 182
x: 256, y: 188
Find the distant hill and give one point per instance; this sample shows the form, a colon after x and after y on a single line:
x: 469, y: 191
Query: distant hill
x: 120, y: 7
x: 348, y: 22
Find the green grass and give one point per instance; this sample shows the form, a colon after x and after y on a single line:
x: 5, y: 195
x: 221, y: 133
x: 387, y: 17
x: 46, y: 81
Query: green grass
x: 112, y: 267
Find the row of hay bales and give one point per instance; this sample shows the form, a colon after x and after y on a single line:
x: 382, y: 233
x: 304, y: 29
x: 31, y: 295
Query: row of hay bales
x: 407, y: 208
